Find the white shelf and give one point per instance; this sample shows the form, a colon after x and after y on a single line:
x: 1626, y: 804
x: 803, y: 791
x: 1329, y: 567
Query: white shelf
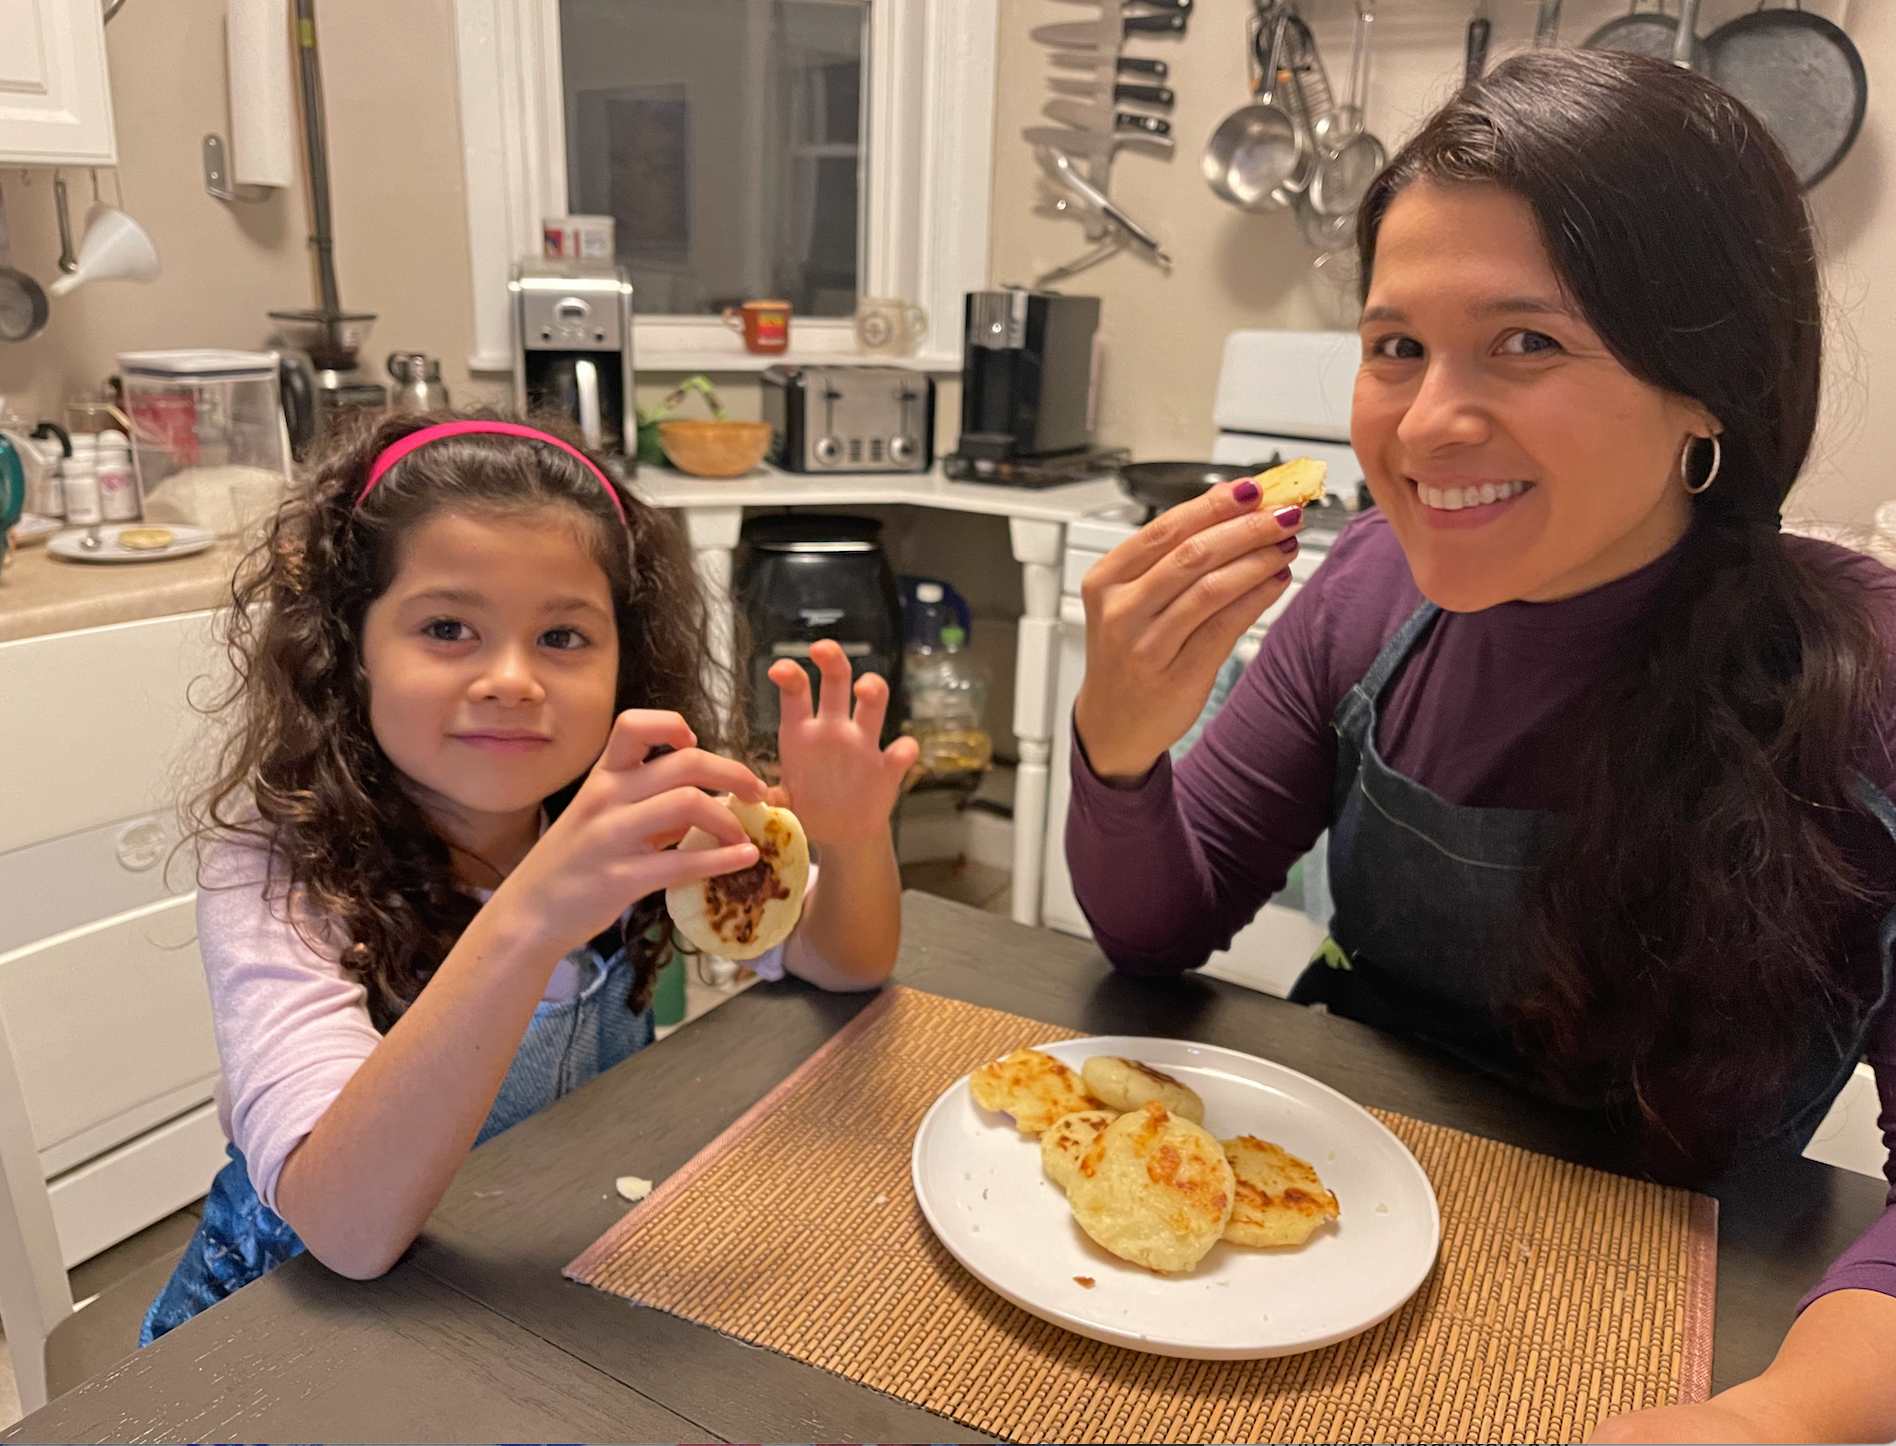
x: 651, y: 361
x: 769, y: 487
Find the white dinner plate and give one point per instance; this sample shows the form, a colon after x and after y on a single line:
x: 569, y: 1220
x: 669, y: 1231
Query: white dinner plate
x: 184, y: 541
x: 982, y: 1190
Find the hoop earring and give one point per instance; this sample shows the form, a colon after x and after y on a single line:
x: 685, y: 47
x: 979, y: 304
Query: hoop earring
x: 1685, y: 464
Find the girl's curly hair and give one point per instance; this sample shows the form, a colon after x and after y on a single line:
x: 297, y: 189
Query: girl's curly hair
x: 300, y: 772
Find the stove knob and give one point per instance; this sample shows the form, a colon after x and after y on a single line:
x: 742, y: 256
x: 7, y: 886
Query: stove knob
x: 829, y: 450
x: 903, y: 450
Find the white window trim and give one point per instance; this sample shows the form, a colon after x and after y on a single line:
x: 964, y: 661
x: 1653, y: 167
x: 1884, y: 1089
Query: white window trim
x: 930, y: 158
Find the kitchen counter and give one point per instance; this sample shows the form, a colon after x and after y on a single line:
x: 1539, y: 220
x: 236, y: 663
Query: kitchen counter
x: 41, y: 594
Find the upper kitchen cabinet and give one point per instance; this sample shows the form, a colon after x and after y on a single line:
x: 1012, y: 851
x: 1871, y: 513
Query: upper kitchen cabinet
x: 817, y: 152
x: 55, y: 96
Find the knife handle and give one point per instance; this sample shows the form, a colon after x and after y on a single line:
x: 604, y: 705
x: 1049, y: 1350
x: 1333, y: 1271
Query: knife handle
x: 1181, y: 6
x: 1160, y: 95
x: 1477, y: 60
x: 1139, y: 65
x: 1152, y: 125
x: 1170, y: 23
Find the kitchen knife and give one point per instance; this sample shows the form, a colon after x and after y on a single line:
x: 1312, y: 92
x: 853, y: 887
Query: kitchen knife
x: 1109, y: 30
x: 1124, y: 91
x: 1103, y: 120
x: 1091, y: 145
x: 1124, y: 64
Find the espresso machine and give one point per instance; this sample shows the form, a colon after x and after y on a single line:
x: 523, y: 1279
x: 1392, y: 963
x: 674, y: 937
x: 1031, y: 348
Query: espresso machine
x: 573, y: 351
x: 1027, y: 379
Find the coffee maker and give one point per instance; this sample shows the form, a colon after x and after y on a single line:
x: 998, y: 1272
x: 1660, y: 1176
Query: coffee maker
x: 1027, y: 380
x: 573, y: 350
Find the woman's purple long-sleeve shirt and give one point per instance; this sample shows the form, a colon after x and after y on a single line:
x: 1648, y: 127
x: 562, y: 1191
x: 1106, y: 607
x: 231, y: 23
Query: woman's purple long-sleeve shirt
x: 1169, y: 870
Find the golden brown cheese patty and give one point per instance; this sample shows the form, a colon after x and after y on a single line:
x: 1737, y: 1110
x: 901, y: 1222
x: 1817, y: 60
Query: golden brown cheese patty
x: 1065, y: 1142
x: 1126, y: 1085
x: 1035, y: 1088
x: 1154, y: 1189
x: 1281, y: 1201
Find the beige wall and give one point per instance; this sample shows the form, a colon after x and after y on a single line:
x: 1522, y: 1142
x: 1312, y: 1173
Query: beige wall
x: 1164, y: 332
x: 400, y: 215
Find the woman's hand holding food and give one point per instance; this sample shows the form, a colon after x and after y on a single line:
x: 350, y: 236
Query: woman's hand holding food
x: 1165, y: 608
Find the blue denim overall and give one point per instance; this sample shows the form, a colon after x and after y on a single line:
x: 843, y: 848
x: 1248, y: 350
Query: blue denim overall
x: 567, y: 1043
x: 1429, y: 895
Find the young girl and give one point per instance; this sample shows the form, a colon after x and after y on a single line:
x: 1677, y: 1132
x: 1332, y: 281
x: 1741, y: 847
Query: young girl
x: 473, y: 716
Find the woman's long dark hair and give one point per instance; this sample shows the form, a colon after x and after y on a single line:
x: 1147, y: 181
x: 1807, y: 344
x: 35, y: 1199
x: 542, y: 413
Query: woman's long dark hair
x: 301, y: 774
x: 1688, y: 936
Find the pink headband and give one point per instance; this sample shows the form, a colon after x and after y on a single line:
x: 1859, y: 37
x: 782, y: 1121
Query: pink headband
x: 414, y: 441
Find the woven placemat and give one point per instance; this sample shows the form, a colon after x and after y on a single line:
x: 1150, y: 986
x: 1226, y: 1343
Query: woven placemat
x: 1561, y: 1294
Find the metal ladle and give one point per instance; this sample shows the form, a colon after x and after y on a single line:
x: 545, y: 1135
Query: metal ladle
x: 1258, y: 147
x: 1348, y: 165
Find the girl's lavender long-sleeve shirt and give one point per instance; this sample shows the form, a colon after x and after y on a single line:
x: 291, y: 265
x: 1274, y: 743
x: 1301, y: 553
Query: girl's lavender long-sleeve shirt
x: 1168, y: 870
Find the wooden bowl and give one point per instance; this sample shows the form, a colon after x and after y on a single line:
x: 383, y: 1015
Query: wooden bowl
x: 714, y: 449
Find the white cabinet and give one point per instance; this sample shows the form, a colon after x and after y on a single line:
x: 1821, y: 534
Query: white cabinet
x: 102, y: 995
x: 55, y: 94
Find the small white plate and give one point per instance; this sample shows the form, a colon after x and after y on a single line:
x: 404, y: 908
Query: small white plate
x: 33, y: 528
x: 184, y: 542
x: 982, y: 1190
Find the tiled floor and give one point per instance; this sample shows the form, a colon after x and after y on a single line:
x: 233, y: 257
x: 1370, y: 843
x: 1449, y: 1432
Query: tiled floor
x: 967, y: 883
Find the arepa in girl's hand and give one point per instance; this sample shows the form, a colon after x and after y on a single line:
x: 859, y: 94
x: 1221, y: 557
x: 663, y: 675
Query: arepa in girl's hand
x: 748, y: 913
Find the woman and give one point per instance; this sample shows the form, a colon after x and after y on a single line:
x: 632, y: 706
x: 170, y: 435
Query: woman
x: 1603, y: 754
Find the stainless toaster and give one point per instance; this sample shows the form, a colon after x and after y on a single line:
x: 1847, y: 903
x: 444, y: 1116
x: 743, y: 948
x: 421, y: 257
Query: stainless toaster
x: 850, y: 418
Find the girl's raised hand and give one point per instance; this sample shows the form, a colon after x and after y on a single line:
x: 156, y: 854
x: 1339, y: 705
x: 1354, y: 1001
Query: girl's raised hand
x: 839, y: 780
x: 613, y: 844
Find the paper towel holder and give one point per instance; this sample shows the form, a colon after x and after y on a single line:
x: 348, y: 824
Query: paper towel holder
x: 217, y: 174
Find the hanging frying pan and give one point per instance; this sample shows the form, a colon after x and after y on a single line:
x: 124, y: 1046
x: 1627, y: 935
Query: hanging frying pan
x: 23, y: 306
x: 1802, y: 76
x: 1651, y: 33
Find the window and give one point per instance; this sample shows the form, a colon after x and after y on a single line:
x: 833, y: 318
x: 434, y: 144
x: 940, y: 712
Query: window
x: 814, y: 150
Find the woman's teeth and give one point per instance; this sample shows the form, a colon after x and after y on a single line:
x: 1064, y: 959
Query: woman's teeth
x: 1454, y: 499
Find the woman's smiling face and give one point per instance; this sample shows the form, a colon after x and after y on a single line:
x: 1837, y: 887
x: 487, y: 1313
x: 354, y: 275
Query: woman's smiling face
x: 1513, y: 454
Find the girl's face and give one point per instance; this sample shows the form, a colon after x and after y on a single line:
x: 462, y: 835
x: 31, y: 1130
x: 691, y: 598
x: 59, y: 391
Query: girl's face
x: 1514, y: 456
x: 493, y: 664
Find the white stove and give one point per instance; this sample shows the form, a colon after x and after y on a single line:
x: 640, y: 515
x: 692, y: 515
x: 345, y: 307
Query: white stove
x: 1280, y: 394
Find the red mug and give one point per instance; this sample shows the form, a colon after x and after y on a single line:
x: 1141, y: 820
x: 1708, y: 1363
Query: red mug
x: 765, y: 325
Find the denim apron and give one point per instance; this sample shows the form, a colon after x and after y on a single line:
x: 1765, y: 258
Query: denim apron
x: 1423, y: 942
x: 567, y: 1042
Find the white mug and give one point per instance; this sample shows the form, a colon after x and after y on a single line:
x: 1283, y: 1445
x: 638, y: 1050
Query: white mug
x: 890, y: 325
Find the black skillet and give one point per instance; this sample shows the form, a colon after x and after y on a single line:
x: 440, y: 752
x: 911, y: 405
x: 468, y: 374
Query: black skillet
x: 1160, y: 485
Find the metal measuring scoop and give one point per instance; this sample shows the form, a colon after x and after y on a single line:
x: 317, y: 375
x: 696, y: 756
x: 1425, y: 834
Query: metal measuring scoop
x: 1259, y: 147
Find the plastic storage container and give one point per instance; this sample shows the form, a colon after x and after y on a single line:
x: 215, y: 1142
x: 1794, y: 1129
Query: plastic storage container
x: 946, y: 691
x: 206, y: 425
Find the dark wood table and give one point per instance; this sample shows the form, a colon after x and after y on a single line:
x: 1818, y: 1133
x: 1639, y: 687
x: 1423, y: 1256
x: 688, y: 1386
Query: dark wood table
x: 476, y: 1335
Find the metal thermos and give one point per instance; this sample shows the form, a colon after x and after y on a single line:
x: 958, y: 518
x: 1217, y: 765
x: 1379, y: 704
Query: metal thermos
x: 418, y: 385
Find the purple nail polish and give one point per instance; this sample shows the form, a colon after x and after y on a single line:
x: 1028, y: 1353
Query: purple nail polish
x: 1245, y: 492
x: 1283, y: 576
x: 1288, y: 516
x: 1289, y: 544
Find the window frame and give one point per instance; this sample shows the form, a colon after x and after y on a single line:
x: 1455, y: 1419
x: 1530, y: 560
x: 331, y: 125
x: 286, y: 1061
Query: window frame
x: 929, y: 147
